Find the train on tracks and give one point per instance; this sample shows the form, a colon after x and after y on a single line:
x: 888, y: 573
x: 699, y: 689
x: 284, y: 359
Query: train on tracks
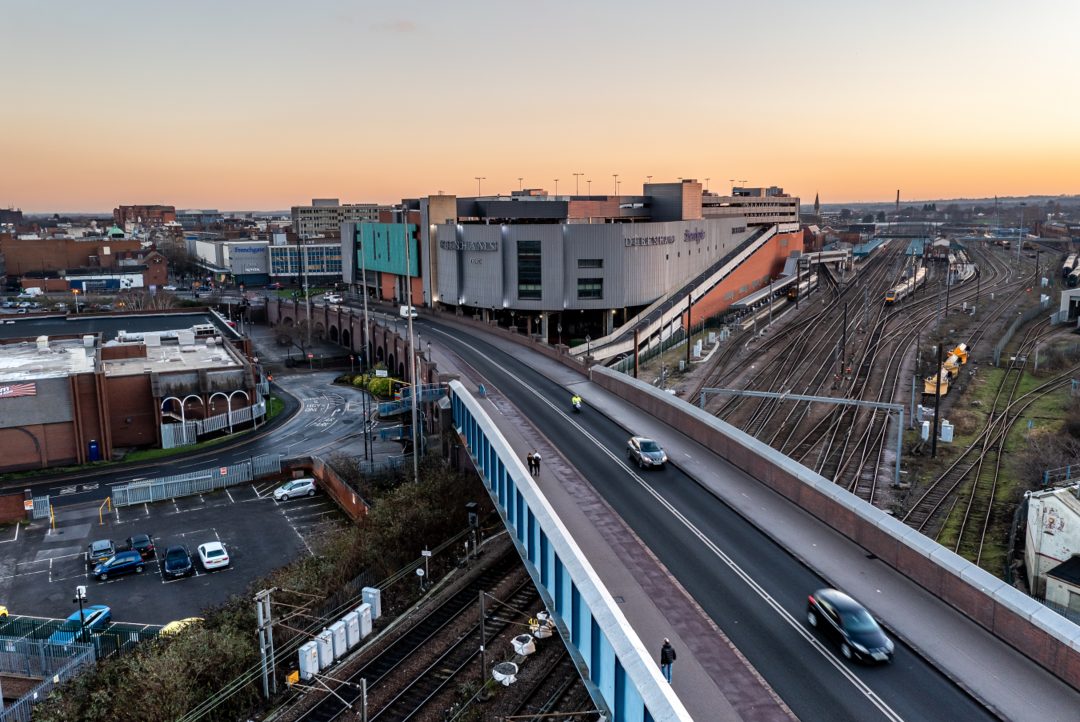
x: 949, y: 370
x: 1070, y: 270
x: 1069, y: 266
x: 898, y: 293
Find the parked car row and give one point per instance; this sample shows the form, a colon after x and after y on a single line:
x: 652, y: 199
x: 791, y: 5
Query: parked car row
x: 105, y: 560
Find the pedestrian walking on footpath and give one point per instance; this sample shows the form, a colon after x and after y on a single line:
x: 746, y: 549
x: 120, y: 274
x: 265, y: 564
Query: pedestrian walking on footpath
x: 536, y: 463
x: 667, y: 658
x: 531, y: 461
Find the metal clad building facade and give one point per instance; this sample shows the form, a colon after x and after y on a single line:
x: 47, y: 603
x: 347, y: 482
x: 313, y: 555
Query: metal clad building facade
x: 550, y: 267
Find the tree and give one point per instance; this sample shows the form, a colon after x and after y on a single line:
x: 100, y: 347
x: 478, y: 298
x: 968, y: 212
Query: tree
x: 881, y: 216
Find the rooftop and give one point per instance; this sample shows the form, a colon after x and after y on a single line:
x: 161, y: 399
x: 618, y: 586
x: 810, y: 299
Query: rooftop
x: 24, y: 360
x: 165, y: 354
x: 108, y: 325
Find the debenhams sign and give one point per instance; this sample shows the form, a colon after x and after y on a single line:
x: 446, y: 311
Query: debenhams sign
x: 469, y: 245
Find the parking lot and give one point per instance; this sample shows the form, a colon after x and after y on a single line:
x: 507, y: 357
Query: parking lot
x: 40, y: 567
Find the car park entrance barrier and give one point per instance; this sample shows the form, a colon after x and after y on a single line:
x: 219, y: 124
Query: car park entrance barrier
x: 145, y: 491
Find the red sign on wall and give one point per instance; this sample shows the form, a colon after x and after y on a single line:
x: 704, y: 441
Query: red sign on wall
x: 10, y: 391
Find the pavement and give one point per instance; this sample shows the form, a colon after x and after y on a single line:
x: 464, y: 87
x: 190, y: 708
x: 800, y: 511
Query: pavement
x: 714, y: 681
x: 1005, y: 681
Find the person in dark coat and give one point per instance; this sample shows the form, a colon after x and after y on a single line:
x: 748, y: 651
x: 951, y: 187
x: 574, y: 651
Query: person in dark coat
x: 667, y: 658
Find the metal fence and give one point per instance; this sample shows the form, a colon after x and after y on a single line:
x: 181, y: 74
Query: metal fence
x: 76, y: 657
x: 187, y: 433
x: 1061, y: 475
x: 1072, y: 615
x: 146, y: 491
x: 41, y: 507
x: 1013, y: 328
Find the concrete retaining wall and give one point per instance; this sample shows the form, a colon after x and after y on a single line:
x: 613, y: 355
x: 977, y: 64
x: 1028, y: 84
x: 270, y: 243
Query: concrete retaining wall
x: 1036, y: 631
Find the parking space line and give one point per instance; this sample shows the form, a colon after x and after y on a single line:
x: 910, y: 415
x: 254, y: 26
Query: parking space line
x: 256, y: 490
x: 146, y: 508
x: 230, y: 496
x: 8, y: 541
x: 117, y: 510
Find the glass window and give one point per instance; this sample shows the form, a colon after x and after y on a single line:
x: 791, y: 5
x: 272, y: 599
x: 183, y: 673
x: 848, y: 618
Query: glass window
x: 590, y: 288
x: 528, y: 267
x: 590, y: 263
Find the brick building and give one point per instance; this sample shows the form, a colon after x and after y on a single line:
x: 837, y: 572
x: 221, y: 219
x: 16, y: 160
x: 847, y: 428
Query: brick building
x: 144, y: 215
x: 69, y: 399
x: 45, y: 255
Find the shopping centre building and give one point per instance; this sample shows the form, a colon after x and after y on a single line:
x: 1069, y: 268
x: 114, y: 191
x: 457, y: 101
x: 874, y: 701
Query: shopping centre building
x: 568, y: 266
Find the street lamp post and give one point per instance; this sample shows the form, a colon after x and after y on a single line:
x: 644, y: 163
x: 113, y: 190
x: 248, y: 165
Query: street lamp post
x: 478, y: 179
x: 577, y: 183
x: 411, y: 345
x: 589, y: 187
x: 556, y: 187
x: 616, y: 177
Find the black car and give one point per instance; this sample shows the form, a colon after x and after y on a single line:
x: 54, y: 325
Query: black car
x: 98, y: 551
x: 849, y: 625
x: 177, y: 563
x: 122, y: 563
x: 142, y: 543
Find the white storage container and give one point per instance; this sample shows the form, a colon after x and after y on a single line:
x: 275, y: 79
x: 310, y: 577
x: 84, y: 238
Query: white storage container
x: 363, y: 613
x: 373, y: 596
x: 337, y: 629
x: 309, y: 661
x: 325, y: 640
x: 352, y: 629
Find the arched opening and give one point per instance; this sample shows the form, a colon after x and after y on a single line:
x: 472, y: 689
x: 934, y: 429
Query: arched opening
x: 333, y: 334
x: 346, y: 339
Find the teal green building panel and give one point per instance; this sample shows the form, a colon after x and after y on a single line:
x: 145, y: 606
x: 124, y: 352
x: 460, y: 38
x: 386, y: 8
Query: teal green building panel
x: 383, y: 248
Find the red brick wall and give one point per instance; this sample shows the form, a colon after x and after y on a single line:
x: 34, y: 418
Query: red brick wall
x: 11, y: 508
x: 755, y: 273
x: 37, y: 446
x: 157, y: 270
x: 132, y: 417
x: 53, y: 254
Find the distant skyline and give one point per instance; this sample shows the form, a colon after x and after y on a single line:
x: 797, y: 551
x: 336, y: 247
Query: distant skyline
x: 265, y: 105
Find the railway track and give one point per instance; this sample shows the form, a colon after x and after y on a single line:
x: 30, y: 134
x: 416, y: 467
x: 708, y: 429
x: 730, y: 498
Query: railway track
x: 451, y: 664
x: 847, y: 444
x: 347, y: 691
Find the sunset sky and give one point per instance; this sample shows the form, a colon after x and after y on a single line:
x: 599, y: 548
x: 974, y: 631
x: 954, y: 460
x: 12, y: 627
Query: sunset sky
x: 264, y: 105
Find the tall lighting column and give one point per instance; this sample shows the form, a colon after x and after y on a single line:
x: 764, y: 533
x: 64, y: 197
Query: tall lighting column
x: 411, y: 343
x: 367, y: 320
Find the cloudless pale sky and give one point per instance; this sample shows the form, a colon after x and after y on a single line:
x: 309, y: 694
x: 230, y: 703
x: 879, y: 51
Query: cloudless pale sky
x: 266, y: 104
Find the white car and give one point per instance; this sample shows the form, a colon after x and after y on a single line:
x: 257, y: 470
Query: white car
x: 296, y: 487
x: 213, y: 555
x: 168, y: 288
x: 333, y: 298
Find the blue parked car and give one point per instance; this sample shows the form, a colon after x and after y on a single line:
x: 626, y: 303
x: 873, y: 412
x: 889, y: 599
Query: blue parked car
x: 97, y: 616
x: 121, y: 563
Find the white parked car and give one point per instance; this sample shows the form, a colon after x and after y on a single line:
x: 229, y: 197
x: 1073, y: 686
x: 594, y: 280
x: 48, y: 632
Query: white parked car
x: 213, y: 555
x: 170, y: 287
x: 294, y: 488
x: 333, y: 298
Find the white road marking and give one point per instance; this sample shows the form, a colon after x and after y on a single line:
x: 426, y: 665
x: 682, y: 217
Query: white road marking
x: 796, y: 625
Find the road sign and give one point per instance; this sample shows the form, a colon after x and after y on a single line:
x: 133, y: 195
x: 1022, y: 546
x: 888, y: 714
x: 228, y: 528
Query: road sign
x: 381, y: 373
x: 28, y: 504
x: 224, y: 471
x: 311, y: 355
x: 425, y: 553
